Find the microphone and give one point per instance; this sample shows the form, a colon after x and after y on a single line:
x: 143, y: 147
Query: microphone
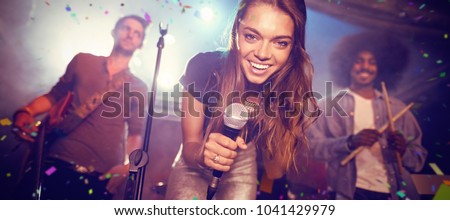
x: 234, y: 119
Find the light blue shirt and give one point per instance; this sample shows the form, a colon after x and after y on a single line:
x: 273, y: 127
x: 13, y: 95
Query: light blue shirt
x: 328, y: 136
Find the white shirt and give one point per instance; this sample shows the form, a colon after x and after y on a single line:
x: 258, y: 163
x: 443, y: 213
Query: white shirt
x: 371, y: 173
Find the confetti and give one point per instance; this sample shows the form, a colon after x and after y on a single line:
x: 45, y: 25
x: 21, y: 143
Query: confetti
x: 418, y: 18
x: 432, y: 79
x: 8, y: 175
x: 442, y: 74
x: 148, y: 18
x: 436, y: 169
x: 68, y: 8
x: 91, y: 191
x: 3, y: 137
x: 5, y: 122
x: 401, y: 194
x: 439, y: 61
x: 50, y: 171
x: 443, y: 193
x: 426, y: 55
x: 422, y: 6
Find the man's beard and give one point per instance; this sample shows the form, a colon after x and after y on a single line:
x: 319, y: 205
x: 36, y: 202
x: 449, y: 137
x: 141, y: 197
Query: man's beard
x: 123, y: 51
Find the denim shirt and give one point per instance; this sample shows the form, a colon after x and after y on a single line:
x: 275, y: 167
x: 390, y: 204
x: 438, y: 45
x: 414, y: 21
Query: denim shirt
x: 328, y: 137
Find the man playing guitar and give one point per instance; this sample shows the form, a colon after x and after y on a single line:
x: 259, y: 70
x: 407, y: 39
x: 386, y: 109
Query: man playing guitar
x: 86, y: 158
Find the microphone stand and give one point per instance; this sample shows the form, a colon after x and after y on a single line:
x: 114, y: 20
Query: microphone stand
x: 139, y: 157
x: 40, y: 161
x: 37, y: 150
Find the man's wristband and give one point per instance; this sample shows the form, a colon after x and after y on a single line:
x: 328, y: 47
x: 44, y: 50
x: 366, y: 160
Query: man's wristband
x: 25, y: 109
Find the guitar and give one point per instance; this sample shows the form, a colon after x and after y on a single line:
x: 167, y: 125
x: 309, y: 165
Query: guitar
x: 52, y: 124
x: 58, y: 112
x: 57, y: 115
x: 40, y: 135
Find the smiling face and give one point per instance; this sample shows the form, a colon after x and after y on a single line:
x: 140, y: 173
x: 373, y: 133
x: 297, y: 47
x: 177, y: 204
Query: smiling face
x: 264, y: 40
x: 364, y: 70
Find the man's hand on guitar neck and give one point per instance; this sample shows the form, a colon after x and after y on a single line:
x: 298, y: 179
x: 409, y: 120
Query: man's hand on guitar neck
x: 24, y: 126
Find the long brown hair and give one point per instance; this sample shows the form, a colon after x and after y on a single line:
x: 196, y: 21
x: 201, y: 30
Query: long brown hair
x: 283, y: 133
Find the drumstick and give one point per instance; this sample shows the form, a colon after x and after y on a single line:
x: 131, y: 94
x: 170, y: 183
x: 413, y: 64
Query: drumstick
x: 391, y: 122
x: 388, y: 106
x: 381, y: 130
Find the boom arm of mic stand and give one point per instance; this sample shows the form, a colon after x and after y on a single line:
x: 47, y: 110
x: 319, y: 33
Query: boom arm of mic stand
x: 139, y: 158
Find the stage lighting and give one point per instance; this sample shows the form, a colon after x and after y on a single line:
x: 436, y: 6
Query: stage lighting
x: 206, y: 14
x: 166, y: 81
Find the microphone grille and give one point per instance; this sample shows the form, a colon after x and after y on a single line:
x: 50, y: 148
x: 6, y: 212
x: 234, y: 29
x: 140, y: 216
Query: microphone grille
x: 235, y: 116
